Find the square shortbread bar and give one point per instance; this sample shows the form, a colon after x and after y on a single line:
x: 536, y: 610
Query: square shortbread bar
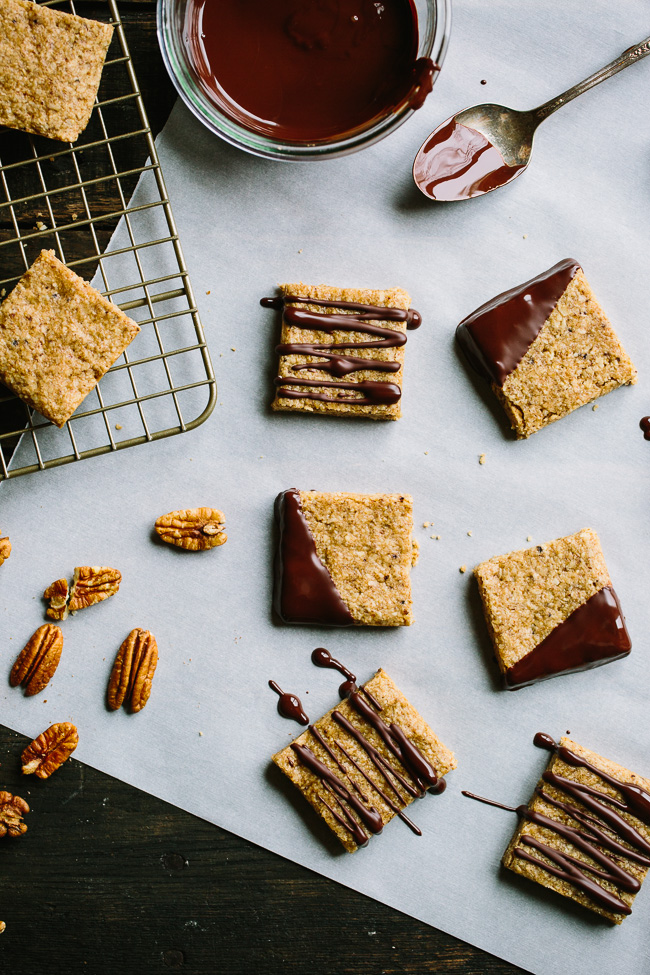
x: 547, y: 846
x: 327, y: 369
x: 551, y: 609
x: 58, y: 336
x: 347, y: 757
x: 344, y: 559
x: 546, y: 347
x: 50, y: 68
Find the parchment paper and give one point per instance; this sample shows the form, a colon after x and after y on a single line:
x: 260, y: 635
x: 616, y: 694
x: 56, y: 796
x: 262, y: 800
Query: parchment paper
x: 205, y: 738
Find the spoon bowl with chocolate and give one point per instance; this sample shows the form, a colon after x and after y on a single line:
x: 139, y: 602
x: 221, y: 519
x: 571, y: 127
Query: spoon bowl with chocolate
x: 487, y: 146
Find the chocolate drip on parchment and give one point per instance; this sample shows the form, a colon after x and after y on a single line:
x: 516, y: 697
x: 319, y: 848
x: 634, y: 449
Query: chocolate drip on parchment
x: 289, y: 705
x: 644, y: 423
x: 496, y: 336
x: 323, y: 658
x: 422, y: 777
x: 304, y: 589
x: 594, y: 634
x: 593, y: 836
x: 337, y: 363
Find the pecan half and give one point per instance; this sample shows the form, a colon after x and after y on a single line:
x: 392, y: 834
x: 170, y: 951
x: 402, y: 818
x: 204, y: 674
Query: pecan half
x: 57, y: 594
x: 194, y: 529
x: 5, y: 549
x: 38, y: 660
x: 12, y: 810
x: 50, y: 750
x: 133, y: 670
x: 92, y: 584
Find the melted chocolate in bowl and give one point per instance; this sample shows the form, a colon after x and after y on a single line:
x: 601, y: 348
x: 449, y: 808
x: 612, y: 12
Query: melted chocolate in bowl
x: 307, y: 71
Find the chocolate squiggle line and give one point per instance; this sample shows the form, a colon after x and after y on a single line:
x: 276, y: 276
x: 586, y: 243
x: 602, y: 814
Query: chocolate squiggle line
x: 635, y: 801
x: 595, y: 833
x: 413, y: 761
x: 377, y: 393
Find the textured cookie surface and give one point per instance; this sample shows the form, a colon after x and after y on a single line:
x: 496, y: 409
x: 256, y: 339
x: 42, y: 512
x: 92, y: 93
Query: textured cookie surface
x: 576, y: 358
x: 58, y: 336
x: 365, y: 542
x: 395, y: 709
x: 50, y: 68
x: 344, y: 404
x: 526, y: 594
x: 544, y: 835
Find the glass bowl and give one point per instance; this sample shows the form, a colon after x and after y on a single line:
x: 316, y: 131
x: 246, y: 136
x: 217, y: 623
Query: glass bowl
x: 434, y: 23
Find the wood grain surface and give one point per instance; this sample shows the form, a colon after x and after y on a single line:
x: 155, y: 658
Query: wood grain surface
x: 110, y: 880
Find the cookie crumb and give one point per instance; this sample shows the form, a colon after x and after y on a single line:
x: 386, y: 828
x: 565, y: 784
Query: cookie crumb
x: 595, y: 406
x: 525, y: 236
x: 425, y: 524
x: 529, y: 538
x: 426, y: 452
x: 208, y: 292
x: 74, y: 216
x: 118, y: 426
x: 232, y: 348
x: 463, y: 568
x: 200, y: 734
x: 2, y: 926
x: 40, y: 225
x: 481, y: 458
x: 470, y: 534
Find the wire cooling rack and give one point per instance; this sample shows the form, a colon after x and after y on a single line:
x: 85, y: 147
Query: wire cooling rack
x: 62, y: 197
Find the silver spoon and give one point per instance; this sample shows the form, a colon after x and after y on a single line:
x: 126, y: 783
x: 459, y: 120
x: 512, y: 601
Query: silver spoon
x: 487, y: 146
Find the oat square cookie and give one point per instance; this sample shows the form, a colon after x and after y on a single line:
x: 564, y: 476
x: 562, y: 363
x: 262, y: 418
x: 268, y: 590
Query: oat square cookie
x: 50, y: 67
x: 551, y: 609
x: 58, y: 336
x: 344, y: 559
x: 546, y: 347
x: 365, y: 761
x: 586, y: 831
x: 342, y: 350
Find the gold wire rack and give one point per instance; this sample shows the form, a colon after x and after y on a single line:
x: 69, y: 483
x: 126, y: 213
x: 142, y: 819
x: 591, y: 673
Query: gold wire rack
x: 62, y: 197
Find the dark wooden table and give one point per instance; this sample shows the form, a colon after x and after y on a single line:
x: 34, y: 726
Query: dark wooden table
x: 110, y: 880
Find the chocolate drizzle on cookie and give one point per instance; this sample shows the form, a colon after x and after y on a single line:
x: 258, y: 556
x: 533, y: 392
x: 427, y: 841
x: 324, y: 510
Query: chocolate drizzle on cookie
x: 602, y: 833
x: 594, y: 634
x: 335, y: 362
x: 497, y: 336
x: 304, y: 589
x: 416, y: 777
x: 323, y: 658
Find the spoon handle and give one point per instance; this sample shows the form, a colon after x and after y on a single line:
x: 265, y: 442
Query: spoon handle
x: 631, y: 56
